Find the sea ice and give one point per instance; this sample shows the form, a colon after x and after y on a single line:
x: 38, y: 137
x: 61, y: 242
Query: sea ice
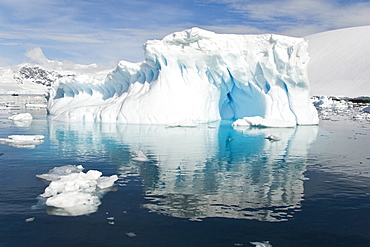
x: 72, y: 192
x: 195, y: 76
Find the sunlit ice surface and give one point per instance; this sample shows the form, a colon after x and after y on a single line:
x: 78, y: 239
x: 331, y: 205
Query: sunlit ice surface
x: 205, y: 185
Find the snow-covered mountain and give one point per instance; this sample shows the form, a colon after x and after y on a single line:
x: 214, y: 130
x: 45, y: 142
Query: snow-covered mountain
x: 340, y: 62
x: 39, y: 74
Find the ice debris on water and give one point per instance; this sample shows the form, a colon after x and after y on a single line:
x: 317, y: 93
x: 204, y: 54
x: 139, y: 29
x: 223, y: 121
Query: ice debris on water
x: 29, y: 219
x: 273, y: 138
x: 57, y: 172
x: 72, y: 192
x: 23, y: 141
x: 131, y: 234
x: 262, y: 244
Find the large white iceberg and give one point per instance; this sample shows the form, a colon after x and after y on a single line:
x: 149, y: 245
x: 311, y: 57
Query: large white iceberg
x: 196, y: 76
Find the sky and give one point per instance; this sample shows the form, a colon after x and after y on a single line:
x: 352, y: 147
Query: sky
x: 107, y: 31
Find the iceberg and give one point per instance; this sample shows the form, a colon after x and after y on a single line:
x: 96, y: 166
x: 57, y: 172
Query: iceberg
x: 195, y: 76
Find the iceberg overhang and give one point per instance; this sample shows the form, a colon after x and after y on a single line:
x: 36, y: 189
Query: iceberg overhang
x: 196, y: 76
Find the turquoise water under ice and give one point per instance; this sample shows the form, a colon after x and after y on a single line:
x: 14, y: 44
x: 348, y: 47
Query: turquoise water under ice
x: 206, y: 186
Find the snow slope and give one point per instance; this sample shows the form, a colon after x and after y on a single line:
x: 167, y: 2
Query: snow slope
x: 340, y: 62
x: 196, y: 76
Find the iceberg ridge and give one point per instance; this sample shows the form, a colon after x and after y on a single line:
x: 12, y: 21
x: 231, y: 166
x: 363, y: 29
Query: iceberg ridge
x: 196, y: 76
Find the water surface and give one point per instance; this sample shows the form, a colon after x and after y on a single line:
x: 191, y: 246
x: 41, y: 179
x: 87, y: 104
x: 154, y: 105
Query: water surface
x: 206, y: 186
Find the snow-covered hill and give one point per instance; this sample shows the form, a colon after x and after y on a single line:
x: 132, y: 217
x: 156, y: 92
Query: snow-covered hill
x: 340, y: 62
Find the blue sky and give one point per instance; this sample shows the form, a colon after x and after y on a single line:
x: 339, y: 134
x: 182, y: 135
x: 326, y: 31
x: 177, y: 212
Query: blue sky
x: 106, y: 31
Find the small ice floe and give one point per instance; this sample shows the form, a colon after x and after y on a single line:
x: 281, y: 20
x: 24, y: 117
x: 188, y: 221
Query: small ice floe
x: 21, y: 117
x: 262, y: 244
x: 272, y: 138
x: 23, y: 141
x: 72, y: 192
x: 263, y: 122
x: 139, y: 156
x: 29, y: 219
x: 130, y: 234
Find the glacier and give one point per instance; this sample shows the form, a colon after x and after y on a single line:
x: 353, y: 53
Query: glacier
x: 195, y: 76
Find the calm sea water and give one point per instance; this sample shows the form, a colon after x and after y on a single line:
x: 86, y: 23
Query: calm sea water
x: 207, y: 186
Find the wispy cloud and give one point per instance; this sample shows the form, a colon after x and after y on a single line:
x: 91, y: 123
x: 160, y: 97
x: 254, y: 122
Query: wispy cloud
x: 106, y: 31
x: 300, y: 17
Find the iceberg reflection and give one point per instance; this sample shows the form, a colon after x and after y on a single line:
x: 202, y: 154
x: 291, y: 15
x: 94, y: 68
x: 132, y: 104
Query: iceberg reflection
x: 202, y: 172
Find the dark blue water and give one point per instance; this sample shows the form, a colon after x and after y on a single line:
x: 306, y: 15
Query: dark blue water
x: 207, y: 186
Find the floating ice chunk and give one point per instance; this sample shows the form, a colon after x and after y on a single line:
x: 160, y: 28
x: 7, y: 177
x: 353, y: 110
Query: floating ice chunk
x: 262, y: 244
x: 272, y: 138
x: 73, y: 192
x: 241, y: 122
x: 73, y: 199
x: 29, y: 219
x: 21, y: 117
x: 57, y: 172
x: 140, y: 156
x: 26, y: 137
x: 106, y: 182
x: 25, y: 141
x: 262, y: 122
x: 72, y: 211
x: 130, y: 234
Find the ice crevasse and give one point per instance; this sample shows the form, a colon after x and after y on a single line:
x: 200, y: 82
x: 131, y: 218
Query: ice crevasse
x: 196, y: 76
